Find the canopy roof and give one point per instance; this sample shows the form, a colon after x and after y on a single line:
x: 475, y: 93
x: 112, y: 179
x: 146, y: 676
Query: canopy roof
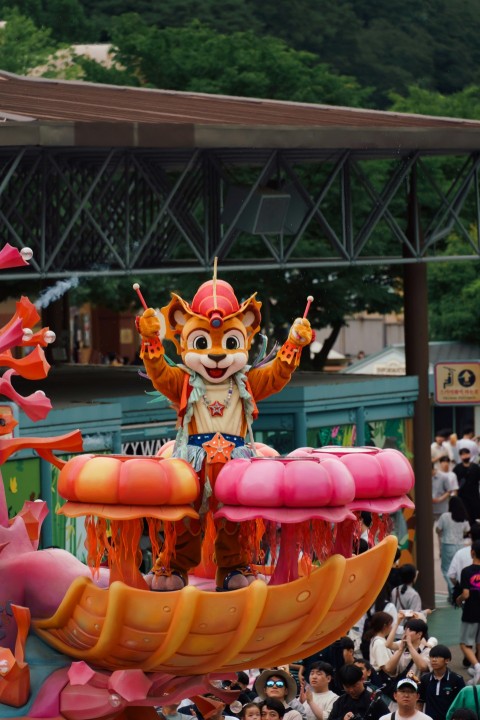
x: 39, y: 111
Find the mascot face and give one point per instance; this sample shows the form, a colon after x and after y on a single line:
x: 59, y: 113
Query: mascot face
x: 215, y: 353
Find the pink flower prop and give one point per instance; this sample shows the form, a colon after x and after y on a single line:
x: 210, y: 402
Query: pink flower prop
x: 285, y: 483
x: 377, y: 473
x: 12, y: 336
x: 11, y: 257
x: 36, y: 406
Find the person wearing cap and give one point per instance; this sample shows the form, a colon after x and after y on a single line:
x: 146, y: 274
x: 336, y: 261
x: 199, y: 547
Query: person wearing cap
x: 440, y: 687
x: 356, y: 701
x: 468, y: 475
x: 406, y: 697
x: 280, y: 685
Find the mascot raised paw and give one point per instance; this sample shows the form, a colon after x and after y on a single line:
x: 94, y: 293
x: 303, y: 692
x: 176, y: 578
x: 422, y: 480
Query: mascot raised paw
x: 215, y: 393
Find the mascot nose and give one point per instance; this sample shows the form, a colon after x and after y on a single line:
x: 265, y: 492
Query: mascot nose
x: 217, y: 358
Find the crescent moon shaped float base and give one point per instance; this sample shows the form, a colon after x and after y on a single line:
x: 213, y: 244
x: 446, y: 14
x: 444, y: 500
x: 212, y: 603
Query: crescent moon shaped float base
x: 191, y: 631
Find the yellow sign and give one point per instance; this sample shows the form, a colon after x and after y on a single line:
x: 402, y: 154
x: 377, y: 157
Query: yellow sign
x: 457, y: 383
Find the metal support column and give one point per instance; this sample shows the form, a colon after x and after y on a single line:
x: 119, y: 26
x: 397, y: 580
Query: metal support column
x: 416, y: 357
x: 300, y: 429
x: 360, y: 423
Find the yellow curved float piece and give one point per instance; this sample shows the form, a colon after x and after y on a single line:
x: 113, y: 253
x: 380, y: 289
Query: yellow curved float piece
x: 192, y: 632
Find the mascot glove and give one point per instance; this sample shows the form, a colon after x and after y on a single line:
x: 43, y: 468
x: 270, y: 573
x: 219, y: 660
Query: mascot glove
x: 148, y: 324
x: 301, y: 332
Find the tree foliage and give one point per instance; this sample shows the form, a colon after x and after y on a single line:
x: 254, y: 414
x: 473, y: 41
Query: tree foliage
x: 198, y: 59
x: 453, y: 288
x: 22, y: 45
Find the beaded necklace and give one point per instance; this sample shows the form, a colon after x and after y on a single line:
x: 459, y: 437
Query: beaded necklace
x: 216, y: 407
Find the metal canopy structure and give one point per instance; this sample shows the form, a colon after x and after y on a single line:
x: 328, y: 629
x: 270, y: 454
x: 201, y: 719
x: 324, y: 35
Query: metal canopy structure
x: 102, y: 179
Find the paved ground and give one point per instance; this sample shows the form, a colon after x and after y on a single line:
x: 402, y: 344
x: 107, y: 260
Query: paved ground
x: 444, y: 622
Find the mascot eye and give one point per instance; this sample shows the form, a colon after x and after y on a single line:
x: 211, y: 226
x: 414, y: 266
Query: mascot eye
x: 233, y: 340
x: 232, y: 343
x: 200, y: 343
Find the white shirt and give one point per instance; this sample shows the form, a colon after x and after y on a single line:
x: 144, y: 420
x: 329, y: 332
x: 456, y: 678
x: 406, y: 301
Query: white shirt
x: 416, y: 716
x: 379, y: 653
x: 470, y: 445
x: 461, y: 559
x: 324, y: 700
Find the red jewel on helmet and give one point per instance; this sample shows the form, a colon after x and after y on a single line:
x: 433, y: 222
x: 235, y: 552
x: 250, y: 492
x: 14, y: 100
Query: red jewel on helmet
x: 215, y: 300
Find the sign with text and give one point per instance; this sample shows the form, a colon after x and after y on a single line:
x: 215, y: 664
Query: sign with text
x: 457, y: 383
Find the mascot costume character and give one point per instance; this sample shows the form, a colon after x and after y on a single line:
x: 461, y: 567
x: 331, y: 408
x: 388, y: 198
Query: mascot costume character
x: 214, y: 393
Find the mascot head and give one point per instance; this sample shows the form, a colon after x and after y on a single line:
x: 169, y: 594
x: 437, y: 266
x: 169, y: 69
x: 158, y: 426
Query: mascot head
x: 213, y: 334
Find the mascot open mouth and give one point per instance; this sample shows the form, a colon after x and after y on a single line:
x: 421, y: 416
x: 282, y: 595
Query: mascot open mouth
x: 216, y: 372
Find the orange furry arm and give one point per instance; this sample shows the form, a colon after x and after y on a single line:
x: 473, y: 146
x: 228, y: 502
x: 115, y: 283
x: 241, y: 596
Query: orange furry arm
x: 270, y: 379
x: 166, y: 379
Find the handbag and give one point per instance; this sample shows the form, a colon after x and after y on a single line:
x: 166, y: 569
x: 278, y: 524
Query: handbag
x: 391, y: 682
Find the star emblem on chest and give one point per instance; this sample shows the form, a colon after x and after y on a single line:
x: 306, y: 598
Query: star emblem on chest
x: 216, y: 408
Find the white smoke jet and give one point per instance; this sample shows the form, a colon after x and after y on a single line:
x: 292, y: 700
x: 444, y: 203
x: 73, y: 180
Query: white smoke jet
x: 55, y: 292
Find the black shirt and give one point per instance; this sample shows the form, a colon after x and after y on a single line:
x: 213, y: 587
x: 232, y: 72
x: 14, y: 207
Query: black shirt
x: 470, y: 580
x: 438, y: 695
x: 346, y: 704
x: 469, y: 483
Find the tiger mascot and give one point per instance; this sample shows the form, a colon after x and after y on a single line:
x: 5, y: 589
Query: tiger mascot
x: 214, y: 393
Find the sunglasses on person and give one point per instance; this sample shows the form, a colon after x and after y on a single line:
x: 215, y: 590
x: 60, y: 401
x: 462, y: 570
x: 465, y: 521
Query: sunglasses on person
x: 275, y: 683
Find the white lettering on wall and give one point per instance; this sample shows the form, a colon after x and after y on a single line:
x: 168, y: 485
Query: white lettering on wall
x: 143, y: 447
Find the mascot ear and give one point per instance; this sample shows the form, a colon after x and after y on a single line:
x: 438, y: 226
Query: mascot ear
x: 251, y: 318
x: 176, y: 314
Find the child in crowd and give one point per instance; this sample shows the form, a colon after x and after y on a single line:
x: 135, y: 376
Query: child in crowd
x: 250, y: 711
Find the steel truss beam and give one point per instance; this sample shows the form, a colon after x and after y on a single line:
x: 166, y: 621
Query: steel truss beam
x: 135, y: 211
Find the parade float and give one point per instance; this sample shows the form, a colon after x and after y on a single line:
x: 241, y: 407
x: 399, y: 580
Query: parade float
x: 84, y: 641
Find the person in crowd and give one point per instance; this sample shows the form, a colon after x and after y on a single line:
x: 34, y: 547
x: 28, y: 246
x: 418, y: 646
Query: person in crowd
x: 452, y: 528
x: 440, y: 687
x: 280, y: 685
x: 406, y: 699
x: 444, y: 483
x: 468, y: 441
x: 463, y: 557
x: 356, y: 700
x: 442, y: 443
x: 250, y: 711
x: 247, y: 695
x: 370, y: 678
x: 468, y: 475
x: 272, y: 709
x: 464, y: 714
x: 380, y: 627
x: 470, y: 600
x: 467, y: 701
x: 360, y: 632
x: 316, y: 697
x: 341, y: 652
x: 170, y: 712
x: 411, y: 652
x: 405, y: 597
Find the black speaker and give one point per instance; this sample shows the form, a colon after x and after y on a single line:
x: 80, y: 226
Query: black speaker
x: 263, y: 214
